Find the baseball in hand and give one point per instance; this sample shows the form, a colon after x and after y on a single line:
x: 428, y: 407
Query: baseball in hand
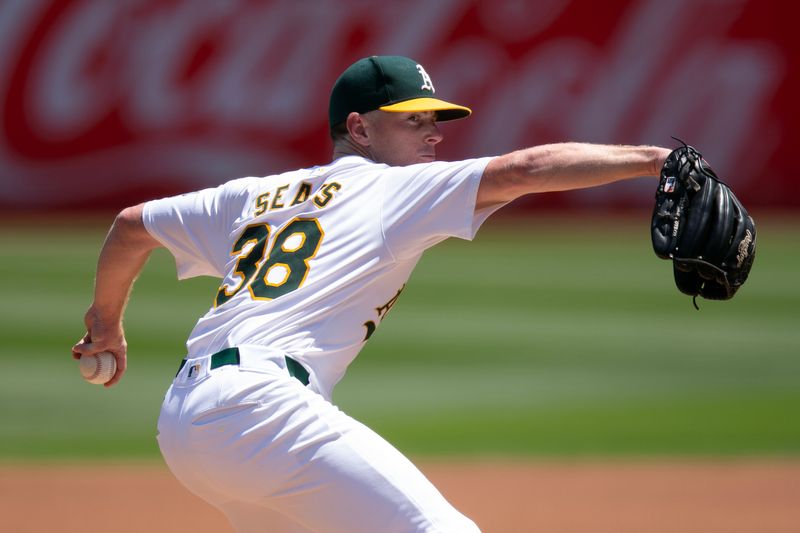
x: 98, y: 369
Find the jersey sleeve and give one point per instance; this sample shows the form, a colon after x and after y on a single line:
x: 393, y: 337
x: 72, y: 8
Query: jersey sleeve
x: 427, y: 203
x: 195, y: 227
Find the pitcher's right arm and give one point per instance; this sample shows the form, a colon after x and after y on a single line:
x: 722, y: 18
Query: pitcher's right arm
x: 125, y: 251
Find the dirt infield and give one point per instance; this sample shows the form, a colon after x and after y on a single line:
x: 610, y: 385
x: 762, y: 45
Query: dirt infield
x: 501, y: 496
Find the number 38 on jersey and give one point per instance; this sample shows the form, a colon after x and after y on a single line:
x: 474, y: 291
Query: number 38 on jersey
x: 270, y: 273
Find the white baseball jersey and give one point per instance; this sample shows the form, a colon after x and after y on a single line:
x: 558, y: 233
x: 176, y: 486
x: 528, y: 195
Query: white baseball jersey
x: 311, y: 260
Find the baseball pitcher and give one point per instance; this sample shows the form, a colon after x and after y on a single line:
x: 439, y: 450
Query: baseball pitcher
x: 307, y: 260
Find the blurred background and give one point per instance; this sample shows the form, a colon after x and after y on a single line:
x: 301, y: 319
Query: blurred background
x: 106, y: 103
x: 556, y: 333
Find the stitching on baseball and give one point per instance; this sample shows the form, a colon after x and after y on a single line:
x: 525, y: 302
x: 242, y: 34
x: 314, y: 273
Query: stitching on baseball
x: 97, y: 367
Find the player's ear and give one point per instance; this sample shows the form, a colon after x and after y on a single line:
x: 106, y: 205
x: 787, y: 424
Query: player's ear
x: 357, y: 127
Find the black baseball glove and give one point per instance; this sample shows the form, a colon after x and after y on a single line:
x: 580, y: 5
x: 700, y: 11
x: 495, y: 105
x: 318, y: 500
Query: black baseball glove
x: 702, y: 227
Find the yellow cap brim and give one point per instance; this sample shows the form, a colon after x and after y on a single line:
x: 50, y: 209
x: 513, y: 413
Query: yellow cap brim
x: 444, y: 110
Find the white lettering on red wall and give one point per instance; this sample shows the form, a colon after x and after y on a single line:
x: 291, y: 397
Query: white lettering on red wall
x: 106, y: 103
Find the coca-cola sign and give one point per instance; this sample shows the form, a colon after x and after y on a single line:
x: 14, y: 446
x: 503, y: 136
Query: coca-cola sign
x: 109, y: 102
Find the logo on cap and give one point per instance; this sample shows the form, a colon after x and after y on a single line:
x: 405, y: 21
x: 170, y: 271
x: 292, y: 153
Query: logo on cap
x: 426, y: 80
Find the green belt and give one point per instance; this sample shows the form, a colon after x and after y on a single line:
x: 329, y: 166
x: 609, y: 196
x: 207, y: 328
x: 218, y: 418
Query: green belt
x: 230, y: 356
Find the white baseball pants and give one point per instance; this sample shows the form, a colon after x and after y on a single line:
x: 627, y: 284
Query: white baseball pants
x: 275, y: 456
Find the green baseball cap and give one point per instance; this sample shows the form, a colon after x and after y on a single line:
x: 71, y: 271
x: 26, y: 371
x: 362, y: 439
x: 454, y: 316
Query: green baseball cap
x: 388, y: 83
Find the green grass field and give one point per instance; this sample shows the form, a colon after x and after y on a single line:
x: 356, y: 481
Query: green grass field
x: 534, y: 340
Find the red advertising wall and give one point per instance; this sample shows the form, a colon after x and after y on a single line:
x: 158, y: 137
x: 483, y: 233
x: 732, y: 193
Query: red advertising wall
x: 106, y: 103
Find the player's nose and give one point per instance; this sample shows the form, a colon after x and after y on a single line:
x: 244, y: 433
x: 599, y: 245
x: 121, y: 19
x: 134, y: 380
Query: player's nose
x: 433, y: 135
